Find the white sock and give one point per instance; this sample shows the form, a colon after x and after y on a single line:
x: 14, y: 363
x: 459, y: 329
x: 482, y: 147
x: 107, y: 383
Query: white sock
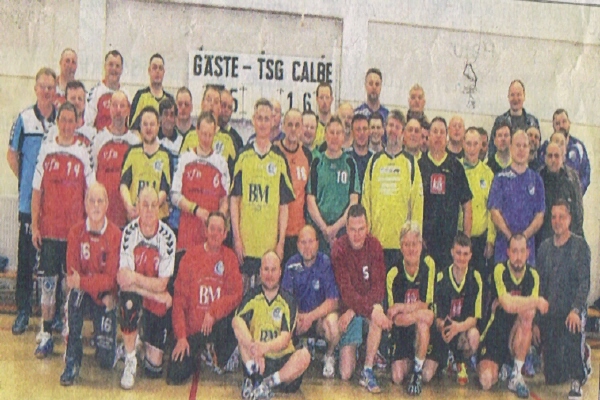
x: 518, y: 367
x: 251, y: 366
x: 418, y: 364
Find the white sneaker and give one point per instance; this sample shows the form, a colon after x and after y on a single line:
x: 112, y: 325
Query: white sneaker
x: 39, y: 336
x: 329, y: 366
x: 128, y: 378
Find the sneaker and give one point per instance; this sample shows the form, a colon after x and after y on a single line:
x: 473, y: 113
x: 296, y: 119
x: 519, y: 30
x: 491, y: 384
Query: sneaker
x: 46, y: 346
x: 576, y: 393
x: 57, y: 323
x: 40, y: 335
x: 120, y: 354
x: 367, y: 379
x: 21, y: 323
x: 504, y: 373
x: 128, y: 378
x: 262, y: 392
x: 70, y: 373
x: 415, y: 384
x: 587, y: 360
x: 450, y: 364
x: 328, y: 366
x: 247, y: 389
x: 462, y: 378
x: 517, y: 385
x: 528, y: 370
x: 234, y: 361
x: 380, y: 361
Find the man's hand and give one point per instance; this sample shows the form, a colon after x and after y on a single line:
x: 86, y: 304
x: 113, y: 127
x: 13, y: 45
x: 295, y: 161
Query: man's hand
x: 450, y: 331
x: 165, y: 298
x: 238, y: 247
x: 125, y: 278
x: 303, y: 323
x: 279, y: 249
x: 573, y: 322
x: 73, y: 280
x: 36, y: 237
x: 182, y: 349
x: 207, y: 324
x: 345, y: 320
x: 330, y: 232
x: 132, y: 212
x: 380, y: 319
x: 202, y: 214
x: 489, y: 250
x: 536, y: 338
x: 542, y: 305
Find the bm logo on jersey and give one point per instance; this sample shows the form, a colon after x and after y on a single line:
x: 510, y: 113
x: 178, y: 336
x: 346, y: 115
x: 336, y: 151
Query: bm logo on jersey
x: 258, y: 194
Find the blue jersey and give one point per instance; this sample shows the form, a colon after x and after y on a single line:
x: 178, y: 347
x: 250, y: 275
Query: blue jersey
x: 519, y: 197
x: 366, y: 111
x: 311, y: 286
x: 26, y: 137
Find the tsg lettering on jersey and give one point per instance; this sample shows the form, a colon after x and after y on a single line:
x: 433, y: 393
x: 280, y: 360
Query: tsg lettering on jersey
x: 207, y: 296
x: 258, y: 194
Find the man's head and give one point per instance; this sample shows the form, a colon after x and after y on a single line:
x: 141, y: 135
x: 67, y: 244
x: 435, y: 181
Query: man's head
x: 211, y: 101
x: 270, y: 270
x: 156, y: 70
x: 483, y: 135
x: 516, y: 96
x: 345, y: 113
x: 334, y: 135
x: 308, y: 245
x: 438, y: 137
x: 149, y: 124
x: 535, y: 139
x: 75, y: 94
x: 324, y: 97
x: 68, y: 64
x: 502, y: 138
x: 356, y: 226
x: 309, y: 127
x: 292, y: 125
x: 183, y: 100
x: 472, y: 145
x: 276, y: 114
x: 461, y: 250
x: 560, y: 140
x: 413, y: 135
x: 66, y: 120
x: 373, y: 80
x: 263, y: 118
x: 360, y: 130
x: 519, y: 148
x: 96, y: 202
x: 226, y: 107
x: 206, y: 129
x: 113, y: 68
x: 560, y: 120
x: 167, y: 110
x: 561, y: 217
x: 45, y: 86
x: 424, y: 136
x: 416, y: 99
x: 119, y: 109
x: 456, y: 130
x: 216, y: 229
x: 554, y: 158
x: 148, y: 206
x: 411, y: 243
x: 375, y: 128
x: 394, y: 126
x: 517, y: 252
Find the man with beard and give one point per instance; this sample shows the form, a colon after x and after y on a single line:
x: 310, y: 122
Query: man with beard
x: 373, y: 80
x: 225, y: 119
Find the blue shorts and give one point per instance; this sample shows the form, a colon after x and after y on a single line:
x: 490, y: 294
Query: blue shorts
x: 354, y: 333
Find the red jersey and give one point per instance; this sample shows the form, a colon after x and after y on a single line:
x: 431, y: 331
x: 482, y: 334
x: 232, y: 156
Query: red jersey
x: 204, y: 181
x: 360, y: 274
x: 62, y: 175
x: 299, y: 162
x: 97, y: 109
x: 108, y: 152
x: 206, y: 282
x: 95, y: 256
x: 152, y: 257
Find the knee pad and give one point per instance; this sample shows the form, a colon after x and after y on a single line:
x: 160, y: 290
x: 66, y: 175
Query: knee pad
x: 129, y: 312
x: 48, y: 285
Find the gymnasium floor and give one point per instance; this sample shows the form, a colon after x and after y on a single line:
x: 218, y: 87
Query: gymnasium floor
x: 24, y: 377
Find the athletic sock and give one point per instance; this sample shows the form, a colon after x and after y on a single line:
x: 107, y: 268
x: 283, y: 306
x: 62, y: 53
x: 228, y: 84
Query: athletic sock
x: 272, y: 380
x: 418, y: 364
x: 366, y: 367
x: 518, y: 367
x: 251, y: 367
x: 48, y: 326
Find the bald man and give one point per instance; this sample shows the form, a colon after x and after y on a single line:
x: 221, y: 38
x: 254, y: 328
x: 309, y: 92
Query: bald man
x: 456, y: 137
x: 346, y: 113
x: 308, y: 276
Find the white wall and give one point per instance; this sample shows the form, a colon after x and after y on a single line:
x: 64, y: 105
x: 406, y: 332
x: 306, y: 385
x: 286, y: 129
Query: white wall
x: 554, y: 48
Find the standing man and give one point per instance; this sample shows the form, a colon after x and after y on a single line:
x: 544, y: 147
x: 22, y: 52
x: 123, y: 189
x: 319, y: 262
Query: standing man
x: 310, y: 121
x: 97, y: 110
x: 208, y: 288
x: 63, y: 171
x: 535, y: 162
x: 376, y: 132
x: 373, y: 80
x: 299, y: 159
x: 360, y: 145
x: 515, y: 293
x: 109, y: 148
x: 445, y: 191
x: 357, y: 259
x: 456, y: 136
x: 183, y: 101
x: 225, y: 119
x: 68, y: 67
x: 416, y: 102
x: 564, y: 267
x: 260, y: 193
x: 501, y: 158
x: 393, y: 186
x: 152, y: 95
x: 308, y: 276
x: 516, y: 200
x: 92, y: 265
x: 146, y: 265
x: 413, y: 138
x: 516, y: 116
x: 484, y: 144
x: 276, y: 132
x: 345, y: 113
x: 324, y: 101
x: 26, y: 137
x: 263, y: 325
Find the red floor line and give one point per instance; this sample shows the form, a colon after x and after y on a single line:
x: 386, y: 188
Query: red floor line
x: 534, y: 396
x: 194, y: 388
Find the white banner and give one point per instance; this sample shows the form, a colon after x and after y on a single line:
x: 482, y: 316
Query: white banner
x: 290, y: 80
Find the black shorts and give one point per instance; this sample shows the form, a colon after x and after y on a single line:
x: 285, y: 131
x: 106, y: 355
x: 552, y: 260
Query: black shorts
x: 251, y: 266
x: 438, y: 349
x: 53, y: 257
x: 403, y: 342
x: 495, y: 345
x: 155, y: 328
x: 273, y: 365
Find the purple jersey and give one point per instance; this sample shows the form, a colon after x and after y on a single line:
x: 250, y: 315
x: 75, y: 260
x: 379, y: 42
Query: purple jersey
x: 311, y: 286
x: 519, y: 197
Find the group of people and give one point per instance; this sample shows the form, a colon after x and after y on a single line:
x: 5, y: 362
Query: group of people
x: 368, y: 225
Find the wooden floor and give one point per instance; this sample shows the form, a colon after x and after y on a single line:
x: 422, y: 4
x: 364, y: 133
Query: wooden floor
x: 22, y: 376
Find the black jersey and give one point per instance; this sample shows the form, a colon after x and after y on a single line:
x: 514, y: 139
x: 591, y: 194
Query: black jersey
x: 403, y: 288
x: 458, y: 301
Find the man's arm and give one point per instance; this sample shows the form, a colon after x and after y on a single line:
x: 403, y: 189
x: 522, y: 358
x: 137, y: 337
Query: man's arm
x: 282, y: 222
x: 36, y: 204
x: 500, y: 223
x: 341, y: 222
x: 467, y: 217
x: 242, y: 333
x: 535, y: 225
x: 518, y: 304
x: 13, y: 161
x: 235, y: 226
x: 315, y: 214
